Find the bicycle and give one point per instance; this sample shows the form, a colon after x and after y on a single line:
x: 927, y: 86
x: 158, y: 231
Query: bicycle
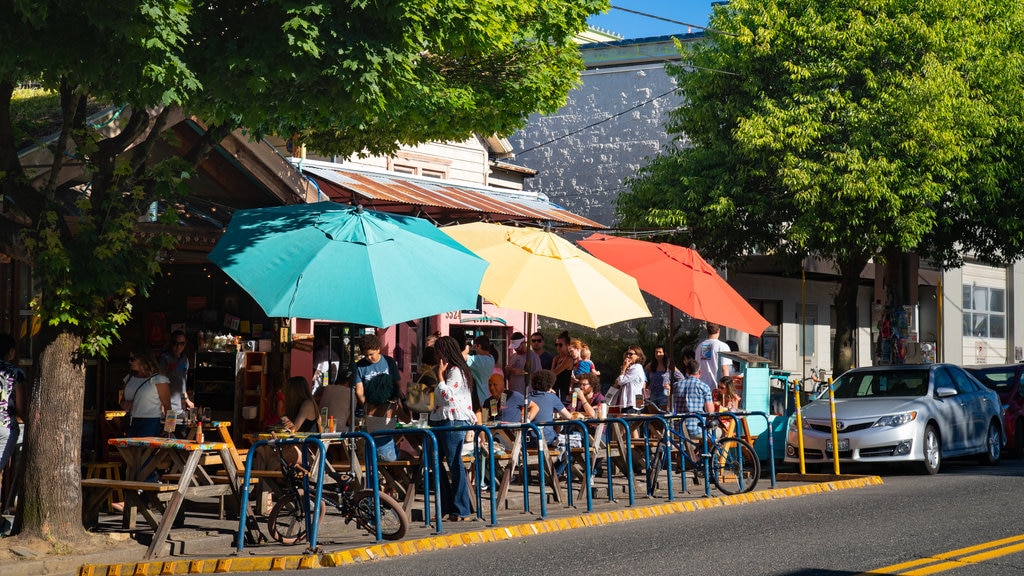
x: 287, y: 520
x: 732, y: 462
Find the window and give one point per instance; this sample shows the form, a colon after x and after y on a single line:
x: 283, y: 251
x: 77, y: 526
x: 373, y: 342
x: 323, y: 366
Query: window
x: 984, y: 312
x: 768, y: 345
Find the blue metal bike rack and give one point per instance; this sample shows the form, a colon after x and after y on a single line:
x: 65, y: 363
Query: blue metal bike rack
x: 490, y: 458
x: 568, y: 455
x: 312, y: 516
x: 523, y: 459
x: 426, y: 467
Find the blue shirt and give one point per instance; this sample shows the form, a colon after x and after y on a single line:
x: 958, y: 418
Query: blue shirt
x: 513, y: 410
x: 691, y: 394
x: 549, y: 404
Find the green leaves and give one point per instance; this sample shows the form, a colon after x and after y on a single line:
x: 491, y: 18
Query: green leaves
x: 842, y: 129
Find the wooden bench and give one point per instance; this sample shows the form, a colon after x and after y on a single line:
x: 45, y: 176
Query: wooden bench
x: 99, y: 488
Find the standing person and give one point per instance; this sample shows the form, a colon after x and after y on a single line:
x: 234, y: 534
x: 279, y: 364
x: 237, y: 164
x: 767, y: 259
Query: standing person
x: 692, y: 395
x: 712, y: 365
x: 481, y: 364
x: 12, y: 399
x: 453, y: 406
x: 522, y: 362
x: 174, y: 364
x: 325, y: 363
x: 537, y: 345
x: 147, y: 394
x: 562, y: 365
x: 631, y: 379
x: 376, y: 379
x: 660, y: 378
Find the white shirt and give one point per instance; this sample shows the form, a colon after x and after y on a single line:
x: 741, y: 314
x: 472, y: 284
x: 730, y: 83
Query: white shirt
x: 630, y: 384
x: 453, y: 398
x: 710, y: 361
x: 141, y: 392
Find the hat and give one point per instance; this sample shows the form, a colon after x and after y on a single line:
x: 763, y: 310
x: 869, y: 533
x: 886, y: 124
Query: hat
x: 517, y: 339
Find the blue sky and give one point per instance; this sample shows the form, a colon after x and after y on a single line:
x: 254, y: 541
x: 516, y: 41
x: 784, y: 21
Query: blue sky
x: 630, y: 25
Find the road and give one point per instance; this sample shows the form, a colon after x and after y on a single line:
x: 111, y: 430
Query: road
x: 908, y: 518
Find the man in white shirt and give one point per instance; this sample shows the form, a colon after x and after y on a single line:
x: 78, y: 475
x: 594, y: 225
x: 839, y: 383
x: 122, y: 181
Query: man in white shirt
x: 712, y: 365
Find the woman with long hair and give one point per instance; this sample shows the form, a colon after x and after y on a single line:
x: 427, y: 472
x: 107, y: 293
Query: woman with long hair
x: 147, y: 394
x: 727, y: 400
x: 300, y: 410
x: 453, y: 406
x: 631, y: 379
x: 660, y: 378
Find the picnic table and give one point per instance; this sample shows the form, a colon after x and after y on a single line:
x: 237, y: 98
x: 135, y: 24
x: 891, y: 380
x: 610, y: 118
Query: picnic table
x: 143, y: 456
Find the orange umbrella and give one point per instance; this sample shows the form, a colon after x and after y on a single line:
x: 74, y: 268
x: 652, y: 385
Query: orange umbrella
x: 680, y: 277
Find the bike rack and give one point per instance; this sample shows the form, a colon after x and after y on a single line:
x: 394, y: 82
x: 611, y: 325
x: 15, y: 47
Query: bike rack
x: 568, y: 455
x: 425, y: 466
x: 608, y: 458
x: 490, y: 458
x: 315, y: 439
x: 679, y: 420
x: 523, y: 461
x: 646, y: 420
x: 768, y: 430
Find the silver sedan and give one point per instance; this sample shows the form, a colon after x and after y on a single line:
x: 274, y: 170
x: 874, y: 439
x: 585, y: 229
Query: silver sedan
x: 909, y: 413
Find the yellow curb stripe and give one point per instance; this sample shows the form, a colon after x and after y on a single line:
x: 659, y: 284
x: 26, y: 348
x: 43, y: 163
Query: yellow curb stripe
x: 440, y: 542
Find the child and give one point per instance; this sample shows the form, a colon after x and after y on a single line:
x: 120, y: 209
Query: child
x: 591, y: 368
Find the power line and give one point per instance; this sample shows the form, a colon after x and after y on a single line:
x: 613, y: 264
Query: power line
x: 598, y: 123
x: 671, y: 21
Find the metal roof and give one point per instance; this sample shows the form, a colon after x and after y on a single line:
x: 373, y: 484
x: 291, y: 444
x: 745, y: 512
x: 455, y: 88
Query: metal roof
x: 439, y: 200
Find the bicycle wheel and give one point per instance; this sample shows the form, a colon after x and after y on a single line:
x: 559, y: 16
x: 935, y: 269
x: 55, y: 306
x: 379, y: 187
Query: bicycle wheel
x: 657, y: 463
x: 393, y: 522
x: 734, y: 465
x: 287, y: 520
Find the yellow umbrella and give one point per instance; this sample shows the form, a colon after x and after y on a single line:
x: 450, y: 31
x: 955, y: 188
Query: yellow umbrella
x: 537, y: 271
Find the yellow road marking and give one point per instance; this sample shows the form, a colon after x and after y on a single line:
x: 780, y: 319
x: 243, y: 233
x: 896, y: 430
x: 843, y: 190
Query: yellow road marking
x: 955, y: 558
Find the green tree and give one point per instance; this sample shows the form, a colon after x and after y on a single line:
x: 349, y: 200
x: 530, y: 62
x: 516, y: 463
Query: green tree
x: 845, y: 130
x: 351, y: 76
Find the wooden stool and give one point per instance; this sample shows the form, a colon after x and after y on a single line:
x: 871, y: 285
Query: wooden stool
x: 109, y: 471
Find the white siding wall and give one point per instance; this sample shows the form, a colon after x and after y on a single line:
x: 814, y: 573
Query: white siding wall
x: 982, y: 350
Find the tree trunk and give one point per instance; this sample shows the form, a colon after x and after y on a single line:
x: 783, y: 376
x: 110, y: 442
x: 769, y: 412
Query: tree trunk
x: 846, y: 315
x: 51, y: 506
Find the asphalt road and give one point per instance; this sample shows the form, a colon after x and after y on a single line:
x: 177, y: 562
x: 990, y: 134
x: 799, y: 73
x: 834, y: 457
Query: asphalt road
x: 910, y: 518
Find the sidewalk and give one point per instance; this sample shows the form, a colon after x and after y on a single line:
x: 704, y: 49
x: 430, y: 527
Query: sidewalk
x: 207, y: 545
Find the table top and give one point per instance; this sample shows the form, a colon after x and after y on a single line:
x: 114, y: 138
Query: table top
x: 158, y: 442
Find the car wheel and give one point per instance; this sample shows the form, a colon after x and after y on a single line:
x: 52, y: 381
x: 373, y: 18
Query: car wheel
x: 993, y: 446
x: 932, y: 447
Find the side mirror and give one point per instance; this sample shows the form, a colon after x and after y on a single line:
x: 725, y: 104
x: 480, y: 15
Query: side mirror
x: 945, y: 392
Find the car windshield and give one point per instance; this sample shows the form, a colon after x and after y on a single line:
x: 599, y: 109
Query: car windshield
x: 998, y: 379
x: 881, y: 384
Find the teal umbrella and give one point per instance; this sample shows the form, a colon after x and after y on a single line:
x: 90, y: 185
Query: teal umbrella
x: 332, y: 261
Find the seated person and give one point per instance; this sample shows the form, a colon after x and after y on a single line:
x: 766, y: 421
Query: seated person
x: 589, y: 399
x: 300, y: 410
x: 548, y: 406
x: 301, y: 413
x: 509, y: 410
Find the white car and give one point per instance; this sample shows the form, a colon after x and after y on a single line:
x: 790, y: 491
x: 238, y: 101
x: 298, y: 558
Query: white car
x: 907, y: 413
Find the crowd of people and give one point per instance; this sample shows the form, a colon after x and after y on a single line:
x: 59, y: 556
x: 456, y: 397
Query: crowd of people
x: 466, y: 385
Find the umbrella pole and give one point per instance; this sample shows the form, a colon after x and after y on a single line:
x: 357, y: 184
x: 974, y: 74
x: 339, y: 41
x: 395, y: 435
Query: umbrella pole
x: 671, y: 337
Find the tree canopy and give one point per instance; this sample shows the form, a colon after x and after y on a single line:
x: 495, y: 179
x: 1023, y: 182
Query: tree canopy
x: 845, y: 130
x: 349, y: 76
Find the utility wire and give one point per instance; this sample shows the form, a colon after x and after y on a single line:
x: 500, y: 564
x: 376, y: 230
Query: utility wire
x: 598, y: 123
x: 669, y: 20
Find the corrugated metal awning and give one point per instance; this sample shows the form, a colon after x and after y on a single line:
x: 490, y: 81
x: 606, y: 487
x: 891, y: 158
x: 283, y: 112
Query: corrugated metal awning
x: 439, y: 201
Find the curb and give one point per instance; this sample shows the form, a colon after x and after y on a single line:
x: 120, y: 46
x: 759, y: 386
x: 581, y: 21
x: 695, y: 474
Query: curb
x: 393, y: 549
